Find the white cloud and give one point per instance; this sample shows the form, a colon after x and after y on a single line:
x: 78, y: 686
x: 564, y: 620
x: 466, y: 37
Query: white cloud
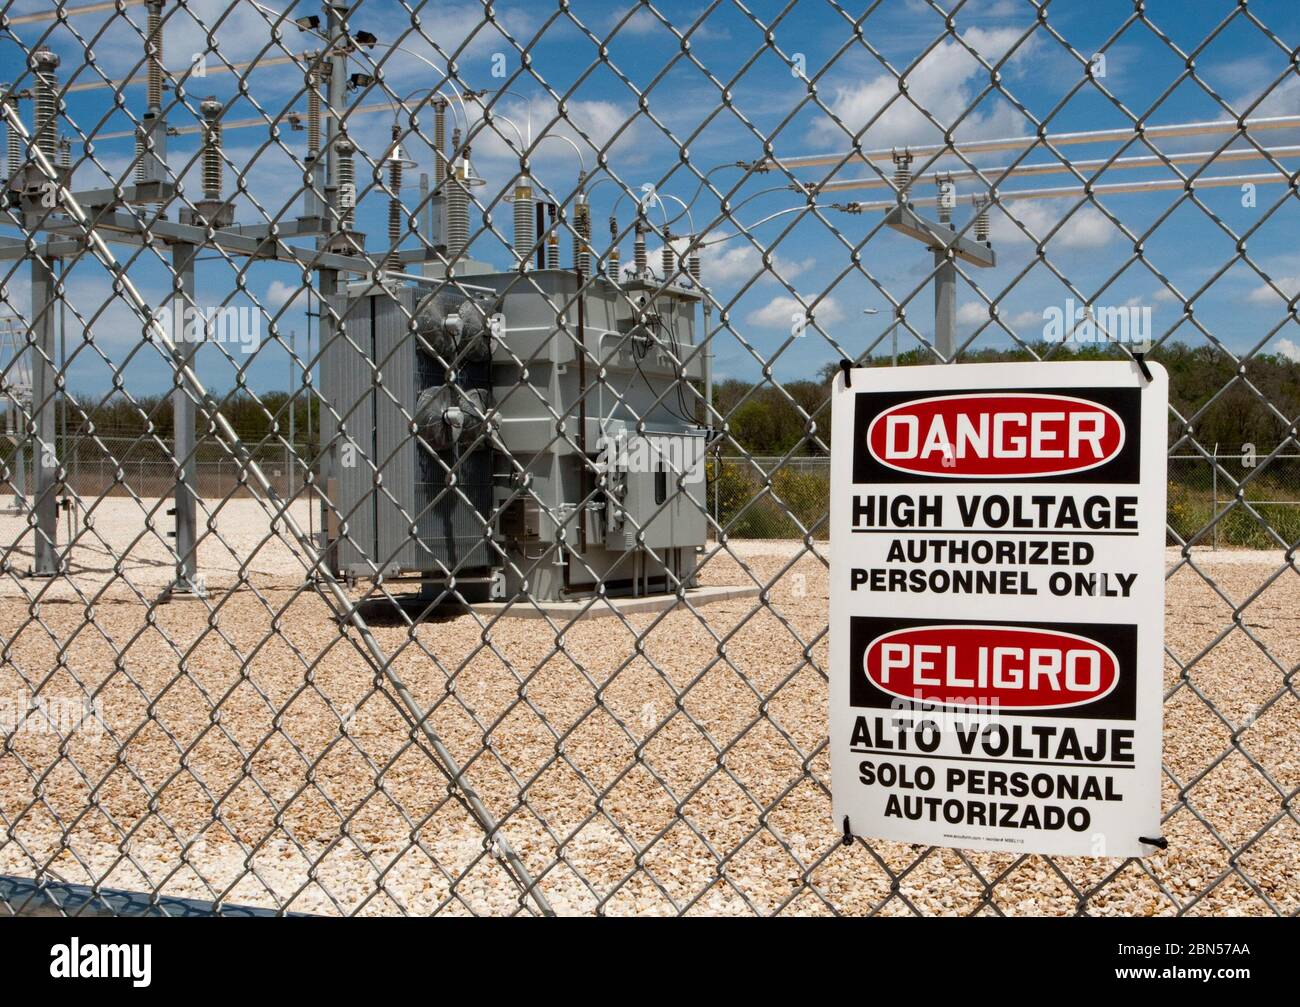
x: 590, y: 124
x: 945, y: 83
x: 1287, y: 348
x: 1266, y: 295
x: 974, y: 314
x: 1087, y: 227
x: 737, y: 261
x: 642, y: 22
x: 279, y: 294
x: 1024, y: 320
x: 783, y: 311
x: 1278, y: 99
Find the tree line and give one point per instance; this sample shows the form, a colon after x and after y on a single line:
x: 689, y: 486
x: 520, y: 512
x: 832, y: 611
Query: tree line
x: 1223, y: 402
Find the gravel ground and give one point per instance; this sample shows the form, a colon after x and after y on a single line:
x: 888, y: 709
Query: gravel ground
x: 271, y: 771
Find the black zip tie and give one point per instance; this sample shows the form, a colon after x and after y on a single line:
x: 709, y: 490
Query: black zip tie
x: 848, y: 835
x: 846, y: 366
x: 1159, y: 841
x: 1141, y: 359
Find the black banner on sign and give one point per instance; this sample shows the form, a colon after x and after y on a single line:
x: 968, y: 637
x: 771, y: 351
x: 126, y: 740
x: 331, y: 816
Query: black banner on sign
x: 1119, y: 701
x: 1122, y: 467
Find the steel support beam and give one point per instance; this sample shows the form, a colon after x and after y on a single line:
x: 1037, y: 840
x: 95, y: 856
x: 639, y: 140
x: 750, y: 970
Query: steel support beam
x: 948, y: 247
x: 945, y: 305
x: 328, y: 279
x: 227, y: 241
x: 188, y: 580
x: 45, y: 458
x: 907, y: 221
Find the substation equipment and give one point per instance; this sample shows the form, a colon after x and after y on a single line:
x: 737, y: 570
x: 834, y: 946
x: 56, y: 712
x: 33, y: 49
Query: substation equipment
x: 519, y: 432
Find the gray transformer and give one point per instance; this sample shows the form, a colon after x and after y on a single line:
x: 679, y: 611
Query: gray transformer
x: 461, y: 432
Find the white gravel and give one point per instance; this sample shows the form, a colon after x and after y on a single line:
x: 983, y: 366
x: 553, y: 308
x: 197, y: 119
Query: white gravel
x: 237, y: 780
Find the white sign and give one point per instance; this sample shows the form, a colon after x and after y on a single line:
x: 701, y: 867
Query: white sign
x: 997, y: 605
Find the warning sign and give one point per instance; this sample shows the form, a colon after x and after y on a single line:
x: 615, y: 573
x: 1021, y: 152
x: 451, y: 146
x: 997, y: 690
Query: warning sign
x: 997, y: 605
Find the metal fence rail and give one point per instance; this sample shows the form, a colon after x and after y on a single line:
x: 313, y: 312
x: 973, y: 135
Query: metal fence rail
x: 355, y: 357
x: 770, y: 497
x: 119, y: 466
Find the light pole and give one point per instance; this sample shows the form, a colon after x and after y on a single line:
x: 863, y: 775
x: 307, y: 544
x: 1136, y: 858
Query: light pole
x: 876, y: 311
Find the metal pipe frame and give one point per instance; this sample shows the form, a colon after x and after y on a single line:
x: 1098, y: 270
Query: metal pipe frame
x: 88, y: 229
x: 1122, y: 134
x: 129, y: 229
x: 1100, y: 165
x: 1103, y: 189
x: 185, y: 495
x: 45, y: 461
x: 57, y: 15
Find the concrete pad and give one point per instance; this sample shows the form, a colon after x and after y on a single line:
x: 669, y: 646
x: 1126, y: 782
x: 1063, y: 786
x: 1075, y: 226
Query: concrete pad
x: 562, y: 610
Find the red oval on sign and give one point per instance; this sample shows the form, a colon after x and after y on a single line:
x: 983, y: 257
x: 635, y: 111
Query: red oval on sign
x: 996, y: 435
x: 991, y: 667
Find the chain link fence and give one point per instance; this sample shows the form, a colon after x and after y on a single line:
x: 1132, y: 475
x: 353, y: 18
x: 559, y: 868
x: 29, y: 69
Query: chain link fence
x: 119, y: 466
x: 416, y: 422
x: 780, y: 498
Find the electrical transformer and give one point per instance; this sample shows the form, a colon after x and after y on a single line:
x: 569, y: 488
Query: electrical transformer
x: 469, y: 437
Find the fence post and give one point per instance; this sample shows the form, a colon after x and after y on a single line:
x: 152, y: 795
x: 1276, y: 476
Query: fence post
x: 717, y: 493
x: 1214, y: 490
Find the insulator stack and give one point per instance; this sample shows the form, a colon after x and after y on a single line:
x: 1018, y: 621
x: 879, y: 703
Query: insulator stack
x: 668, y: 259
x: 439, y: 142
x: 981, y: 218
x: 212, y: 167
x: 639, y: 260
x: 313, y: 112
x: 347, y: 190
x: 457, y: 206
x: 552, y: 240
x: 615, y: 254
x: 946, y: 198
x: 902, y: 172
x: 45, y: 67
x: 153, y: 44
x: 582, y: 236
x: 15, y: 139
x: 65, y: 152
x: 457, y: 218
x: 395, y: 198
x: 693, y: 265
x: 524, y: 224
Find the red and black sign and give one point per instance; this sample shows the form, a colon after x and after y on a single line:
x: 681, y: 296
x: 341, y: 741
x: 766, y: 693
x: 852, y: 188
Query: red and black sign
x: 1039, y: 669
x: 1043, y: 435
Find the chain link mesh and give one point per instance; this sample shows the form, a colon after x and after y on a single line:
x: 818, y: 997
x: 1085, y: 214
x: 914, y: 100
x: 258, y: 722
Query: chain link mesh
x: 319, y: 324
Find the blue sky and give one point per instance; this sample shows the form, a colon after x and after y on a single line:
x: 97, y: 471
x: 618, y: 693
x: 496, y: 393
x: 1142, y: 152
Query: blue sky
x: 649, y: 99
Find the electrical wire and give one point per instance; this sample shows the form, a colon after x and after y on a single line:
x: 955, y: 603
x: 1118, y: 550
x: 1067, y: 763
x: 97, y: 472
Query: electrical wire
x: 746, y: 228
